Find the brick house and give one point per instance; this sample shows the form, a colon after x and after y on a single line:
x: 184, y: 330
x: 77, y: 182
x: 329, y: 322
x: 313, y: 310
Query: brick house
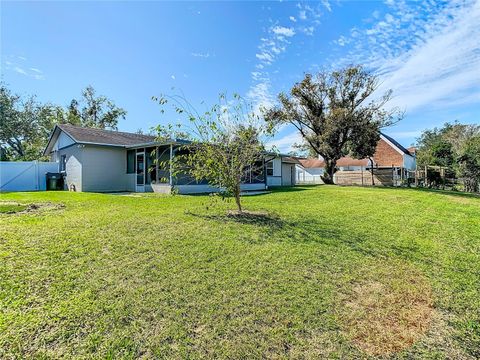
x: 390, y: 157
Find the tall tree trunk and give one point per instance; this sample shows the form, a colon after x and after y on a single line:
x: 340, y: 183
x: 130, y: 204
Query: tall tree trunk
x: 327, y: 176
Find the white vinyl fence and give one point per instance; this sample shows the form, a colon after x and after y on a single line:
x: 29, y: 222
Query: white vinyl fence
x: 25, y: 175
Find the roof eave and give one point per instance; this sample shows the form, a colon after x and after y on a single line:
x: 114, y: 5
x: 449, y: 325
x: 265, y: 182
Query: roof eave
x: 158, y: 143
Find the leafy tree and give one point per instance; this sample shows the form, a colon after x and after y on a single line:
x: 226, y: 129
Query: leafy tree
x: 454, y: 147
x: 96, y: 111
x: 25, y: 124
x: 433, y: 148
x: 224, y: 143
x: 469, y: 163
x: 336, y: 114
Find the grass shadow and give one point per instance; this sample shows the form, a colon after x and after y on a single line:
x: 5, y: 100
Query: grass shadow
x: 434, y: 191
x: 288, y: 189
x: 262, y: 219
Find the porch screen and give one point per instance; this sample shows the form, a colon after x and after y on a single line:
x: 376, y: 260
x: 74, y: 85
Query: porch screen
x: 130, y: 161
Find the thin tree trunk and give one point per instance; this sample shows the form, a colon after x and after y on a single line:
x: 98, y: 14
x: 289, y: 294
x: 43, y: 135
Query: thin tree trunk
x: 237, y: 199
x: 371, y: 170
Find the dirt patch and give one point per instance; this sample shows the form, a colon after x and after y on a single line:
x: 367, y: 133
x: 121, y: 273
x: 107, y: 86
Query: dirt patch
x: 14, y: 208
x: 389, y: 310
x: 247, y: 213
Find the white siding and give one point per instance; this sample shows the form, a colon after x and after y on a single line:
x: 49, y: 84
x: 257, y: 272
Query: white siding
x: 277, y: 166
x: 350, y: 168
x: 288, y: 174
x: 409, y: 162
x: 276, y: 179
x: 309, y: 175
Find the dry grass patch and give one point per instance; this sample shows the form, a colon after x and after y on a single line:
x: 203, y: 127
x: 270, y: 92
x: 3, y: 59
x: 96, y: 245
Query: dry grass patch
x: 389, y: 310
x: 10, y: 208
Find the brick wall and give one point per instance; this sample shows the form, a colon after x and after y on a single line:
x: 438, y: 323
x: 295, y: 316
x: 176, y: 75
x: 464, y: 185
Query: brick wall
x: 386, y: 155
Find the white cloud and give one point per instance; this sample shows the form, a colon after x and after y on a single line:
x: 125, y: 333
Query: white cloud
x: 445, y: 67
x: 256, y: 75
x: 261, y: 95
x: 266, y: 57
x: 285, y: 143
x: 19, y: 70
x: 389, y: 18
x: 19, y: 67
x: 342, y: 41
x: 273, y: 45
x: 327, y: 5
x: 172, y: 77
x: 309, y: 30
x: 201, y: 55
x: 283, y: 31
x: 428, y: 53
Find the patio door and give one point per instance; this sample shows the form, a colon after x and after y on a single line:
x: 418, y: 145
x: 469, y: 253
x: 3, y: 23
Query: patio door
x: 140, y: 170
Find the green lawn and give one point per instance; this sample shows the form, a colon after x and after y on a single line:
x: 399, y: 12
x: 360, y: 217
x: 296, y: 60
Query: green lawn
x: 6, y: 208
x: 330, y: 272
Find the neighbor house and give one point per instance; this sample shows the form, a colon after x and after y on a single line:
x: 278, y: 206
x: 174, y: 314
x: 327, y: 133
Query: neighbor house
x: 98, y: 160
x: 389, y: 156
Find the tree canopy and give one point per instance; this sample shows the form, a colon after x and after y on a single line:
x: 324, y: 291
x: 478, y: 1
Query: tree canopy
x: 26, y: 123
x: 456, y: 147
x: 94, y: 111
x: 336, y: 114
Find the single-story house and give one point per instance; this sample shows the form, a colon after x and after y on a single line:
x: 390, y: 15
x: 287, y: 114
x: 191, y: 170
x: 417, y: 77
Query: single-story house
x: 309, y: 171
x: 97, y: 160
x: 389, y: 154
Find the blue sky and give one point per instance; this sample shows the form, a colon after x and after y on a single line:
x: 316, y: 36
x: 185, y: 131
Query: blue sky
x: 428, y: 52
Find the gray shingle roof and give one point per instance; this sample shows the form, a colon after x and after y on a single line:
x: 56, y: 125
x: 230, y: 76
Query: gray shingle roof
x: 106, y: 137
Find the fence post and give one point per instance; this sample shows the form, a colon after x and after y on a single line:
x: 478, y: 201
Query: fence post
x: 36, y: 176
x: 426, y: 176
x: 416, y: 176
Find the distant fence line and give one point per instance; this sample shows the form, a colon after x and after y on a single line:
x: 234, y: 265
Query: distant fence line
x: 364, y: 177
x: 427, y: 177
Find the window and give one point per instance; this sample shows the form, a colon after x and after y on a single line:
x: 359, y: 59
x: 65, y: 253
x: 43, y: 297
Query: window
x: 63, y: 162
x: 269, y: 167
x: 130, y: 161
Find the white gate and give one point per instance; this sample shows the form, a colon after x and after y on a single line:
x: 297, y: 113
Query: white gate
x: 25, y: 175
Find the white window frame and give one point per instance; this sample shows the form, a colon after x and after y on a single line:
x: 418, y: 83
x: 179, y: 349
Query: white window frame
x: 63, y: 164
x: 267, y: 168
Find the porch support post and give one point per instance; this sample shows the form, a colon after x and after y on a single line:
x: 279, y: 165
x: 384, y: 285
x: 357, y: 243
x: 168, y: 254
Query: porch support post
x: 170, y: 165
x: 156, y: 165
